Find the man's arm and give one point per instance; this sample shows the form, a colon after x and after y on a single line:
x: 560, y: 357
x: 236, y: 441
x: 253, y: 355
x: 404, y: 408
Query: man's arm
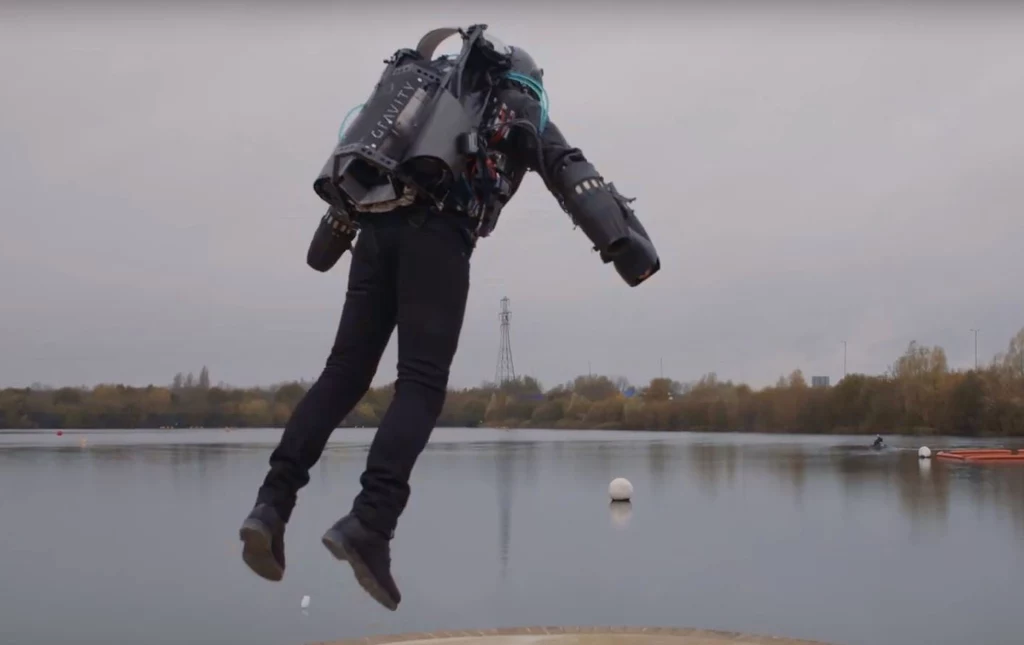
x: 594, y: 205
x: 333, y: 236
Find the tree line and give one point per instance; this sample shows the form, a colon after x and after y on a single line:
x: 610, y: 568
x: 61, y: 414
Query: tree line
x: 919, y: 394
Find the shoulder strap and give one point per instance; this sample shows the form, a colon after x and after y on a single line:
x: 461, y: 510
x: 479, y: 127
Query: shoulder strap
x: 428, y: 44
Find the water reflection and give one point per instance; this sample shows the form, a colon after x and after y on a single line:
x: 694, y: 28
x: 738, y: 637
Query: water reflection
x: 505, y: 470
x: 922, y: 487
x: 515, y: 463
x: 923, y: 493
x: 713, y: 464
x: 995, y: 487
x: 621, y: 512
x: 800, y: 536
x: 659, y: 459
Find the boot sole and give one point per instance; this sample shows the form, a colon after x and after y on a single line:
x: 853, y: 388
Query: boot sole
x: 257, y: 552
x: 336, y: 545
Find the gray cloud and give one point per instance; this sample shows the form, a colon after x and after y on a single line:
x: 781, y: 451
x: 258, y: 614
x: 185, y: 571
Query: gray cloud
x: 808, y: 178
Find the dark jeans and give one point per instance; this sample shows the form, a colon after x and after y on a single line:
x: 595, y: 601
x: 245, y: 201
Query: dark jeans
x: 407, y: 271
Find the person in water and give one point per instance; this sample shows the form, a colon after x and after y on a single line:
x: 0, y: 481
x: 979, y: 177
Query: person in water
x: 410, y: 271
x: 878, y: 442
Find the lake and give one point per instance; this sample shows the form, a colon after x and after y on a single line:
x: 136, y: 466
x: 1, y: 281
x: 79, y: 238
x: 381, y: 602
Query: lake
x: 128, y: 537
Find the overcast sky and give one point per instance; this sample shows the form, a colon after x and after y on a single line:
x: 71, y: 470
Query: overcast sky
x: 808, y: 178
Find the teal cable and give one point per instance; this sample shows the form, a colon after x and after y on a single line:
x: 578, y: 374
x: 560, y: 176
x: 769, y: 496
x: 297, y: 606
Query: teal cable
x: 538, y: 90
x: 344, y: 122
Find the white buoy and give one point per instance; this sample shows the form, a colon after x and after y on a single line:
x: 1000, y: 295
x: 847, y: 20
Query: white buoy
x: 620, y: 489
x: 924, y: 453
x: 305, y: 602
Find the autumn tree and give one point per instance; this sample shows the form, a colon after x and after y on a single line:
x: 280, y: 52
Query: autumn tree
x: 919, y: 394
x: 594, y: 388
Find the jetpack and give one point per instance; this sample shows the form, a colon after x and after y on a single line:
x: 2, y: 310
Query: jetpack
x: 416, y: 132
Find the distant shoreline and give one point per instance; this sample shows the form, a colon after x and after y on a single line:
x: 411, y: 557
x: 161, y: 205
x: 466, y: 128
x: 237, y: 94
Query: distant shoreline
x: 922, y: 433
x: 920, y: 397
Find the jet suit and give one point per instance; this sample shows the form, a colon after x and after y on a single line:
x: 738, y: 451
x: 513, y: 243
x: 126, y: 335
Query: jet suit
x: 416, y: 204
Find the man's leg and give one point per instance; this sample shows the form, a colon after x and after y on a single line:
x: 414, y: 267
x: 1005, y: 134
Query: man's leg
x: 433, y: 284
x: 367, y: 321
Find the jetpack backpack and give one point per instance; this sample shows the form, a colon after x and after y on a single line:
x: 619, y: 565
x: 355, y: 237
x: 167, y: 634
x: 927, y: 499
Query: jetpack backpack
x: 413, y: 138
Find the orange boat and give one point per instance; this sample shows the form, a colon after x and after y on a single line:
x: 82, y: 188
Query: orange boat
x: 977, y: 455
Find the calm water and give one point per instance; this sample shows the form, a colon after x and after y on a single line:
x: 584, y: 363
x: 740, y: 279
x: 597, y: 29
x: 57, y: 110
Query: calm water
x: 131, y: 538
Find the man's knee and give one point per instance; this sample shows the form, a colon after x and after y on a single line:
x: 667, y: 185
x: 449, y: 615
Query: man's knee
x: 355, y: 373
x: 427, y: 360
x: 426, y: 387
